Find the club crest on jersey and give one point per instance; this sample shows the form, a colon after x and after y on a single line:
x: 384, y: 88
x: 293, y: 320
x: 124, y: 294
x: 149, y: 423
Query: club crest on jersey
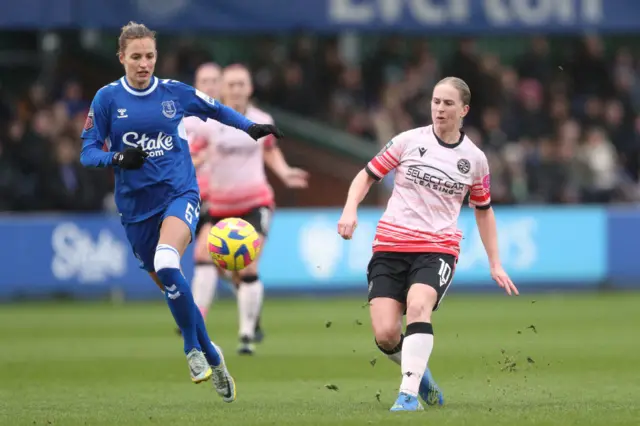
x: 169, y: 109
x: 464, y: 166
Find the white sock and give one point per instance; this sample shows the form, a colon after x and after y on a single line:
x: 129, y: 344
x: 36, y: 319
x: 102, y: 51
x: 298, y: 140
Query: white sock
x: 244, y: 307
x: 256, y: 302
x: 416, y: 350
x: 203, y: 286
x: 397, y: 357
x: 250, y: 296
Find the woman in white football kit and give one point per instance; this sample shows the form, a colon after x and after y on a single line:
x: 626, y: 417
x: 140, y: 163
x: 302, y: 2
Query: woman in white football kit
x: 417, y: 242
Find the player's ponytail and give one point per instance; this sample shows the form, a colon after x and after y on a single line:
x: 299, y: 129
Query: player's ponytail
x: 133, y: 31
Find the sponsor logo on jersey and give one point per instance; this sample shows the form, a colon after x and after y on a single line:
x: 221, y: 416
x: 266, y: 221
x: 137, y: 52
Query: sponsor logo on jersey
x: 240, y: 150
x: 156, y: 144
x: 435, y: 179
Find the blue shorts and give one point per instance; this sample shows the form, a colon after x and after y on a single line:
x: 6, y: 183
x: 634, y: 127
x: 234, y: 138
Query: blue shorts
x: 143, y: 236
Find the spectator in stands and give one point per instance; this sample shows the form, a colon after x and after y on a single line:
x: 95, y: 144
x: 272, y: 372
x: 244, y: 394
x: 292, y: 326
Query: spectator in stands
x: 69, y: 186
x: 556, y: 128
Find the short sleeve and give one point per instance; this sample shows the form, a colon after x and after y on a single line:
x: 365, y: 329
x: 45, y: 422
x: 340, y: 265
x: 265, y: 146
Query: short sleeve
x: 387, y: 159
x: 480, y: 194
x: 96, y: 125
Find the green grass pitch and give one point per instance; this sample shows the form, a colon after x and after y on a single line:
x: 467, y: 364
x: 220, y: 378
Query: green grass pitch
x: 568, y: 359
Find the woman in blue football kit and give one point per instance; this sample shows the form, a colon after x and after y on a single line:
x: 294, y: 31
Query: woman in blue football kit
x: 139, y: 118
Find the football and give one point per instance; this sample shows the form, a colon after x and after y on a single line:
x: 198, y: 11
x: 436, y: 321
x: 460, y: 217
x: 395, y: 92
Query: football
x: 233, y: 244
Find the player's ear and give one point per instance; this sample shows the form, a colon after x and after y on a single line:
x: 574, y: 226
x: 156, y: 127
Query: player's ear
x: 465, y: 111
x: 121, y: 57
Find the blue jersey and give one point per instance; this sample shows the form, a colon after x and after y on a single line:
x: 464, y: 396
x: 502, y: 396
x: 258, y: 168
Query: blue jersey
x: 124, y: 117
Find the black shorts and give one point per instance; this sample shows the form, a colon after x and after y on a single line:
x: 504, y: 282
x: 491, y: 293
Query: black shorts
x: 391, y: 274
x: 259, y: 218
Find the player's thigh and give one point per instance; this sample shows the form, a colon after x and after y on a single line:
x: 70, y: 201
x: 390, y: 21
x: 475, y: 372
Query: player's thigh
x: 429, y: 279
x: 387, y: 277
x: 179, y: 222
x: 143, y: 238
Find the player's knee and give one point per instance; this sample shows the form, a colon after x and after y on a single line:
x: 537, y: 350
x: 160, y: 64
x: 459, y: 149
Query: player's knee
x: 166, y: 257
x: 248, y: 279
x: 387, y: 334
x: 387, y: 338
x: 252, y: 269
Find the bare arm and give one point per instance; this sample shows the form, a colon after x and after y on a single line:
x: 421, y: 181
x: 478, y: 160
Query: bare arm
x: 359, y: 189
x: 292, y: 177
x: 274, y: 159
x: 486, y: 221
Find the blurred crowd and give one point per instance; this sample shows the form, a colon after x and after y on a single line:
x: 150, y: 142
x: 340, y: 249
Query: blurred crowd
x: 556, y: 128
x: 39, y: 154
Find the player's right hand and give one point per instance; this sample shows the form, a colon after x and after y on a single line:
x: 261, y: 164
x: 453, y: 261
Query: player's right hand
x: 257, y: 131
x: 347, y: 224
x: 130, y: 158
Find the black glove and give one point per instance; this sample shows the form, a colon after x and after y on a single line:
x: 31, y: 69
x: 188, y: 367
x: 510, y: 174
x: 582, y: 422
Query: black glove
x: 130, y: 158
x: 257, y: 131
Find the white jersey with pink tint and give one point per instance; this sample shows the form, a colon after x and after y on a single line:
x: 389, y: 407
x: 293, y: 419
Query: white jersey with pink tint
x: 431, y: 181
x: 233, y: 173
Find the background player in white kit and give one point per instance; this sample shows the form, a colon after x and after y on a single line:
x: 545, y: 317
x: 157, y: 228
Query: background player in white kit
x: 417, y: 241
x: 237, y: 186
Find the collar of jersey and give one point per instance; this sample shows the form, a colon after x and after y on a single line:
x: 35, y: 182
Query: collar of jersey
x: 448, y: 145
x: 139, y: 92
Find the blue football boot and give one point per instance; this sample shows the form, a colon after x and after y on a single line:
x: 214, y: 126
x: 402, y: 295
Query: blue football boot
x: 406, y: 402
x: 429, y: 390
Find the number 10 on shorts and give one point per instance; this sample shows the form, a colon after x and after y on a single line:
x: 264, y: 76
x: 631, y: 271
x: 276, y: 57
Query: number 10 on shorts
x: 444, y: 272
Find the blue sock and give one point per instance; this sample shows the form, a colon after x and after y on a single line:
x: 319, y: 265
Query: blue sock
x: 178, y: 295
x: 213, y: 357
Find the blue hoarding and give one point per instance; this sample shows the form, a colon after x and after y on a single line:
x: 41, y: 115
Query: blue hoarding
x: 304, y: 247
x: 441, y: 16
x: 89, y: 255
x: 624, y: 234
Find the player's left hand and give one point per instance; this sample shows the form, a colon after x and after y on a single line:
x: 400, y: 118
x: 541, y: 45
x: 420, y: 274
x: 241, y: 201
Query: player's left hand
x: 257, y: 131
x: 296, y: 178
x: 503, y: 280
